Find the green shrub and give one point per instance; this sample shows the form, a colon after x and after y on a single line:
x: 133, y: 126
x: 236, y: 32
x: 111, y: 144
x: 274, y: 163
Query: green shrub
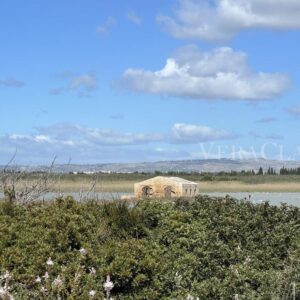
x: 211, y: 248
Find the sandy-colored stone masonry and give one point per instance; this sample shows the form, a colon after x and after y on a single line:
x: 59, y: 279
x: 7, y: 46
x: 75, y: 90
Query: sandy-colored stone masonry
x: 165, y: 187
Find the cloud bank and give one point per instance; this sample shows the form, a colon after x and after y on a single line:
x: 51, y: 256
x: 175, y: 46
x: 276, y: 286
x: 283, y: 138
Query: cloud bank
x: 221, y: 19
x: 76, y: 135
x: 219, y: 74
x: 83, y: 142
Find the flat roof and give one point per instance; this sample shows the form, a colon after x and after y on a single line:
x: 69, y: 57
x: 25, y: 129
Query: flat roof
x: 174, y: 179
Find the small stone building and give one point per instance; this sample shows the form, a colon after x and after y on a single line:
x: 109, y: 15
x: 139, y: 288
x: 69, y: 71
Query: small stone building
x: 165, y: 187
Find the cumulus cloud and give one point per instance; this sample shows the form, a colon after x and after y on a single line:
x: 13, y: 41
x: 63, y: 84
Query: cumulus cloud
x: 220, y: 74
x: 83, y: 84
x: 11, y: 82
x: 105, y: 29
x: 222, y: 19
x: 134, y: 18
x: 190, y: 134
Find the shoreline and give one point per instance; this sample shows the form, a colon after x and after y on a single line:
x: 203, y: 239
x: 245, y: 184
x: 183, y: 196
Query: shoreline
x: 214, y: 186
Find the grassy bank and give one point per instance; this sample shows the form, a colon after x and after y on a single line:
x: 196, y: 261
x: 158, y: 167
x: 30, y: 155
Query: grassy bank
x: 135, y: 177
x: 211, y: 248
x: 237, y: 186
x: 207, y: 183
x: 204, y: 186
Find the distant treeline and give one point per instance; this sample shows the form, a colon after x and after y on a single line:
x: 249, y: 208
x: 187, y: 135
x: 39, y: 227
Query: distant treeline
x: 261, y: 171
x: 293, y: 171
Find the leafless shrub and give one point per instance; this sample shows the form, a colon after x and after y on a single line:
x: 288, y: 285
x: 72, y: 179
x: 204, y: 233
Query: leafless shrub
x: 90, y: 193
x: 20, y: 188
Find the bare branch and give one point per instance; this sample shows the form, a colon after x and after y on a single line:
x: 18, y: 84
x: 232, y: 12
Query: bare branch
x: 10, y: 161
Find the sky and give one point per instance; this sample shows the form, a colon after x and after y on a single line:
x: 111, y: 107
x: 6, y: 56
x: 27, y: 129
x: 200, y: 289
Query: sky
x: 98, y: 81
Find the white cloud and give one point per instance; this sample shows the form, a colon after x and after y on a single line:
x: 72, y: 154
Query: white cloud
x: 105, y: 29
x: 69, y: 136
x: 222, y: 19
x: 83, y: 84
x: 80, y: 135
x: 85, y: 81
x: 80, y: 142
x: 191, y: 134
x: 220, y: 74
x: 111, y: 137
x: 134, y: 18
x: 180, y: 133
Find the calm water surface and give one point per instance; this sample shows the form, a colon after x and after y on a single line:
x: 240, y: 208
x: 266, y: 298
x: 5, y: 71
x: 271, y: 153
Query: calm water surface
x: 273, y: 198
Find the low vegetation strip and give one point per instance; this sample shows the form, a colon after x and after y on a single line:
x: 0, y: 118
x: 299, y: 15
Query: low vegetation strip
x: 123, y: 183
x: 205, y: 248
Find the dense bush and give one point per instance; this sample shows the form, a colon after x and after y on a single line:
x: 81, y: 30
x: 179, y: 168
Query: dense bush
x: 211, y: 248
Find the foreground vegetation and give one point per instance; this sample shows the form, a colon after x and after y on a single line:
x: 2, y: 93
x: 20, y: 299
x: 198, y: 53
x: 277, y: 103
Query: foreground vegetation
x: 210, y: 248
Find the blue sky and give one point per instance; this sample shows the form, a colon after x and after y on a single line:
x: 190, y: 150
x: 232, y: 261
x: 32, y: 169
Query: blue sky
x: 119, y: 81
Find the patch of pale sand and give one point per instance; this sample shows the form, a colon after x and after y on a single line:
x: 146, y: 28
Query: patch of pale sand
x: 215, y: 186
x: 204, y: 186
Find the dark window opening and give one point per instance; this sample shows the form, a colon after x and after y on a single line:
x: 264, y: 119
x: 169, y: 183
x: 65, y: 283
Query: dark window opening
x: 168, y: 192
x: 147, y: 191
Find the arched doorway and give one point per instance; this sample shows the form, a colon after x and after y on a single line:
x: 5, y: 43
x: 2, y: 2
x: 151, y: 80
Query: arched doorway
x: 168, y: 192
x: 147, y: 191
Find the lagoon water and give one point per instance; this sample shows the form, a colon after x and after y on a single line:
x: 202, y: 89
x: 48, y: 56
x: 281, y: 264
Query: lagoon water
x: 257, y: 197
x: 83, y: 196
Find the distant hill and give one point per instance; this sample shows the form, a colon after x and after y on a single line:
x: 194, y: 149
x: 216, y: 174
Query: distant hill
x: 205, y: 165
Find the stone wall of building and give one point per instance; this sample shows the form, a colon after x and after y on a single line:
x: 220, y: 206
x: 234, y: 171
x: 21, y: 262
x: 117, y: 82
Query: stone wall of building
x: 163, y: 187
